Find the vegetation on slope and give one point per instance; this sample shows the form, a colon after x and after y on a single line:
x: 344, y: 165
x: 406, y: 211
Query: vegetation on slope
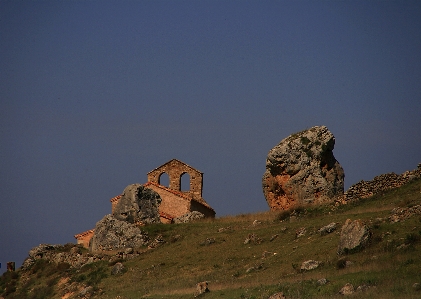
x: 216, y: 251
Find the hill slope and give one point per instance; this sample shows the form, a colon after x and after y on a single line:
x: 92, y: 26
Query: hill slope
x: 216, y: 251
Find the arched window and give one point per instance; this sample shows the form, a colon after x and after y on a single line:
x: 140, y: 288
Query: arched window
x: 185, y: 182
x: 164, y: 179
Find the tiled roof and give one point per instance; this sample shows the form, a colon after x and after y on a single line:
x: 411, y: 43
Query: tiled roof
x: 181, y: 194
x: 166, y: 216
x: 81, y: 235
x: 116, y: 198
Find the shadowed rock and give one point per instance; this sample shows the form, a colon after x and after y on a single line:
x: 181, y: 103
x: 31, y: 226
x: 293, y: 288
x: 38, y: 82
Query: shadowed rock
x: 301, y: 169
x: 355, y: 235
x: 138, y: 205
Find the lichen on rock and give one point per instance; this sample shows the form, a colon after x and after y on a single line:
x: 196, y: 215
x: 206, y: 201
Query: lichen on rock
x: 302, y: 170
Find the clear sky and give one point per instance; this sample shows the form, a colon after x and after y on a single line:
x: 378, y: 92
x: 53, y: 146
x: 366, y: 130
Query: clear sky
x: 95, y: 94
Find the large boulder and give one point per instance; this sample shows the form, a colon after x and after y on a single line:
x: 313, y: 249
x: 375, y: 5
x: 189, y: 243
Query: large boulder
x: 355, y: 235
x: 138, y: 205
x: 113, y: 234
x: 301, y: 170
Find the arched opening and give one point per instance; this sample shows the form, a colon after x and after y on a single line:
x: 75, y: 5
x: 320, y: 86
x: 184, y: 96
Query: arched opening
x: 185, y: 182
x: 164, y: 179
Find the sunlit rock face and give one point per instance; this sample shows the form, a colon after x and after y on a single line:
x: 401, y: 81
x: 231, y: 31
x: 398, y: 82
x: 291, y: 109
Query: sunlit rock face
x: 302, y: 170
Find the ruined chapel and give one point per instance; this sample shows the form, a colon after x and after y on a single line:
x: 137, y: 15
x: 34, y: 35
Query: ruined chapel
x: 175, y: 201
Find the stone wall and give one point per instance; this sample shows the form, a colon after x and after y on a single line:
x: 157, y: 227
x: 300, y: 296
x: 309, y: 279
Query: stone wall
x: 175, y: 170
x: 364, y: 189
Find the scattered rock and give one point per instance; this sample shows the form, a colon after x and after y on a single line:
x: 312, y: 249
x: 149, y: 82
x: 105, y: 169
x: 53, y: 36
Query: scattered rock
x: 277, y: 296
x: 86, y: 291
x: 327, y: 229
x: 347, y: 289
x: 256, y: 222
x: 416, y: 286
x: 300, y: 232
x: 322, y: 281
x: 253, y: 238
x: 138, y: 205
x: 256, y: 267
x: 301, y: 169
x: 273, y: 237
x: 355, y: 235
x: 113, y: 234
x: 310, y: 265
x: 201, y: 288
x: 401, y: 214
x: 159, y: 240
x: 224, y: 229
x: 363, y: 288
x: 189, y: 217
x: 208, y: 241
x: 117, y: 269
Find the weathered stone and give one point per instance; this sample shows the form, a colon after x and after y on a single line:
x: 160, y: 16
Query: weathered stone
x: 301, y: 169
x: 310, y: 265
x: 113, y: 234
x: 138, y: 205
x: 300, y: 232
x: 117, y: 269
x: 159, y: 240
x: 253, y: 238
x: 355, y: 235
x: 201, y: 288
x: 277, y: 296
x: 322, y: 281
x: 189, y: 217
x: 327, y: 229
x: 347, y: 289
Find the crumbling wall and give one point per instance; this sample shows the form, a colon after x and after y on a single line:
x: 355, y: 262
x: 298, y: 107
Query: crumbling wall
x: 364, y: 189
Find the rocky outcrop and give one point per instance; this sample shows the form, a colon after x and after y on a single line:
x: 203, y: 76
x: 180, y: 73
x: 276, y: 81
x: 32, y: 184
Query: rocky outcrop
x: 301, y: 169
x: 138, y: 205
x: 113, y: 234
x: 355, y: 235
x: 189, y: 217
x: 69, y: 253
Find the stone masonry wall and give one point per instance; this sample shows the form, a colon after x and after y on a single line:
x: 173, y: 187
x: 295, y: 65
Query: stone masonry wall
x: 364, y: 189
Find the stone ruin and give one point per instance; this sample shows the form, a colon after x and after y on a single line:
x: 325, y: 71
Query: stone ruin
x: 364, y: 189
x: 146, y: 204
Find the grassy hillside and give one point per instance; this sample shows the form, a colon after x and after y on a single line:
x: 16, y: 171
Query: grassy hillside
x: 215, y: 251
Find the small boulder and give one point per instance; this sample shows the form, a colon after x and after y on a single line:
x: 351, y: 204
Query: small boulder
x: 117, y: 269
x: 201, y: 288
x: 355, y: 235
x: 279, y: 295
x: 310, y: 265
x: 327, y: 229
x: 322, y: 281
x: 347, y: 289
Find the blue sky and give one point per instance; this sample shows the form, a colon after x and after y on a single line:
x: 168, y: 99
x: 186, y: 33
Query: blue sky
x: 95, y: 94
